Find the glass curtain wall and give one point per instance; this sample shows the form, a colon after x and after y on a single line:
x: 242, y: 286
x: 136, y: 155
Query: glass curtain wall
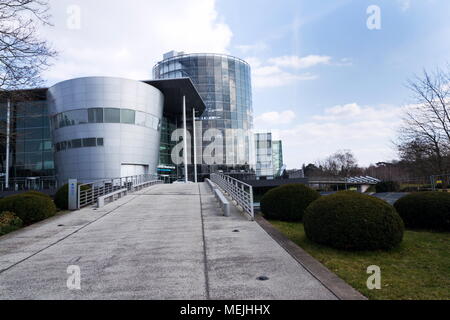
x: 264, y: 156
x: 224, y: 83
x: 31, y: 150
x: 277, y: 153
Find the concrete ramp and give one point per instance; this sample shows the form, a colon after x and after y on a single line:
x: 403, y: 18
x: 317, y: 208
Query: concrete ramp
x: 164, y: 242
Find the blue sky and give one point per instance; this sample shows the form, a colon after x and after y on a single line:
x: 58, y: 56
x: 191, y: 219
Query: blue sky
x: 410, y: 39
x: 366, y: 73
x: 322, y: 80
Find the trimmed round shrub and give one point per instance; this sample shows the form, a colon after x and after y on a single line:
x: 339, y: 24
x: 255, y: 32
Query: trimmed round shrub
x: 387, y: 186
x: 288, y: 202
x: 353, y: 221
x: 425, y: 210
x: 9, y: 222
x: 30, y: 208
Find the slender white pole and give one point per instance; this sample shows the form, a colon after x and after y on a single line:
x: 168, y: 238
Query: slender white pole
x: 195, y: 146
x: 8, y: 133
x: 185, y: 151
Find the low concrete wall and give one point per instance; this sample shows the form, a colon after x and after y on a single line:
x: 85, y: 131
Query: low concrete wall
x: 223, y: 202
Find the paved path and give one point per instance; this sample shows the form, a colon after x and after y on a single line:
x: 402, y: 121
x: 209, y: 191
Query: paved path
x: 165, y: 242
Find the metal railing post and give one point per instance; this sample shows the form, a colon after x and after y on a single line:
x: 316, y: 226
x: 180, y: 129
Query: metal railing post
x: 237, y: 190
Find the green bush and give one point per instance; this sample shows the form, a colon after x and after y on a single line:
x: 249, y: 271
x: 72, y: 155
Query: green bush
x: 62, y: 198
x: 28, y: 207
x: 387, y: 186
x: 9, y: 222
x: 288, y: 202
x: 425, y: 210
x: 37, y: 193
x: 353, y: 221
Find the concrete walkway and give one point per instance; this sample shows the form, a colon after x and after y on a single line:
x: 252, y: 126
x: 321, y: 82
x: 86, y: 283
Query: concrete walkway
x: 165, y: 242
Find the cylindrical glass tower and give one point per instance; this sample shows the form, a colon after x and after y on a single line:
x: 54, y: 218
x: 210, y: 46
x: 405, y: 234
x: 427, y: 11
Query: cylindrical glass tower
x: 224, y: 83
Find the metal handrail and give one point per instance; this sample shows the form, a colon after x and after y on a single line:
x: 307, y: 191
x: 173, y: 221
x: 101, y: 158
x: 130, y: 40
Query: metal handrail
x: 239, y: 191
x: 88, y: 193
x: 29, y: 183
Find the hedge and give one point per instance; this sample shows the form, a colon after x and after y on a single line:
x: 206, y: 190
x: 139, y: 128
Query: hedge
x: 288, y: 202
x: 28, y: 207
x: 425, y: 210
x: 37, y: 193
x: 353, y: 221
x: 62, y: 198
x: 9, y: 222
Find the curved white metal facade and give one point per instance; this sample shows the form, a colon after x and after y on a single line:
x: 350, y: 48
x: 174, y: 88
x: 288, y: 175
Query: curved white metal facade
x: 105, y: 127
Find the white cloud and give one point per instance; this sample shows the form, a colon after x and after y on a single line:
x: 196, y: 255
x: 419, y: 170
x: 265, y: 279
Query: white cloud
x: 274, y: 72
x: 272, y: 76
x: 284, y: 70
x: 300, y: 62
x: 344, y: 110
x: 272, y: 119
x: 366, y: 130
x: 254, y: 48
x: 118, y: 38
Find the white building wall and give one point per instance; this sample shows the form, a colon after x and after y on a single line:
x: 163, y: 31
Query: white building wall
x: 125, y: 145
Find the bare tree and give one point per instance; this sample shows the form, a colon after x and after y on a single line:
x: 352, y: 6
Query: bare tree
x: 23, y: 55
x: 424, y: 138
x: 341, y: 164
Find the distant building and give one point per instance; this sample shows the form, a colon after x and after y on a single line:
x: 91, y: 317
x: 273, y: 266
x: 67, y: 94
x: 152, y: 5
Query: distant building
x: 264, y: 156
x: 295, y: 174
x: 277, y: 156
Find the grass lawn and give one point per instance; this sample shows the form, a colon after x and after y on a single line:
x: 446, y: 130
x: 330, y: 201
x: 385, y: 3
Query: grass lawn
x: 418, y: 269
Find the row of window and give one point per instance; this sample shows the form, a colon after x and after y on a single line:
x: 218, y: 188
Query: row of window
x: 202, y: 62
x: 79, y: 143
x: 105, y: 115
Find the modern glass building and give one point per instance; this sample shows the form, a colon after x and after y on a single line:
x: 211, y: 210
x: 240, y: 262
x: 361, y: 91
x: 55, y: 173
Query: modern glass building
x: 224, y: 83
x: 277, y: 154
x: 264, y: 156
x: 93, y: 128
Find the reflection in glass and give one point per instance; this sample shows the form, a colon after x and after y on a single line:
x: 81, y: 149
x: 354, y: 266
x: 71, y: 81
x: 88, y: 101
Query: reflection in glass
x: 76, y: 143
x: 112, y: 115
x: 127, y: 116
x: 95, y: 115
x: 100, y: 115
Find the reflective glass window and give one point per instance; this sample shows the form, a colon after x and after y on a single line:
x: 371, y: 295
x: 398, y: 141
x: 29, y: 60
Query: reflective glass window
x: 31, y: 159
x: 112, y: 115
x: 76, y: 117
x: 31, y: 134
x: 95, y: 115
x: 127, y: 116
x: 100, y: 142
x: 32, y: 146
x: 46, y: 145
x: 76, y: 143
x: 89, y: 142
